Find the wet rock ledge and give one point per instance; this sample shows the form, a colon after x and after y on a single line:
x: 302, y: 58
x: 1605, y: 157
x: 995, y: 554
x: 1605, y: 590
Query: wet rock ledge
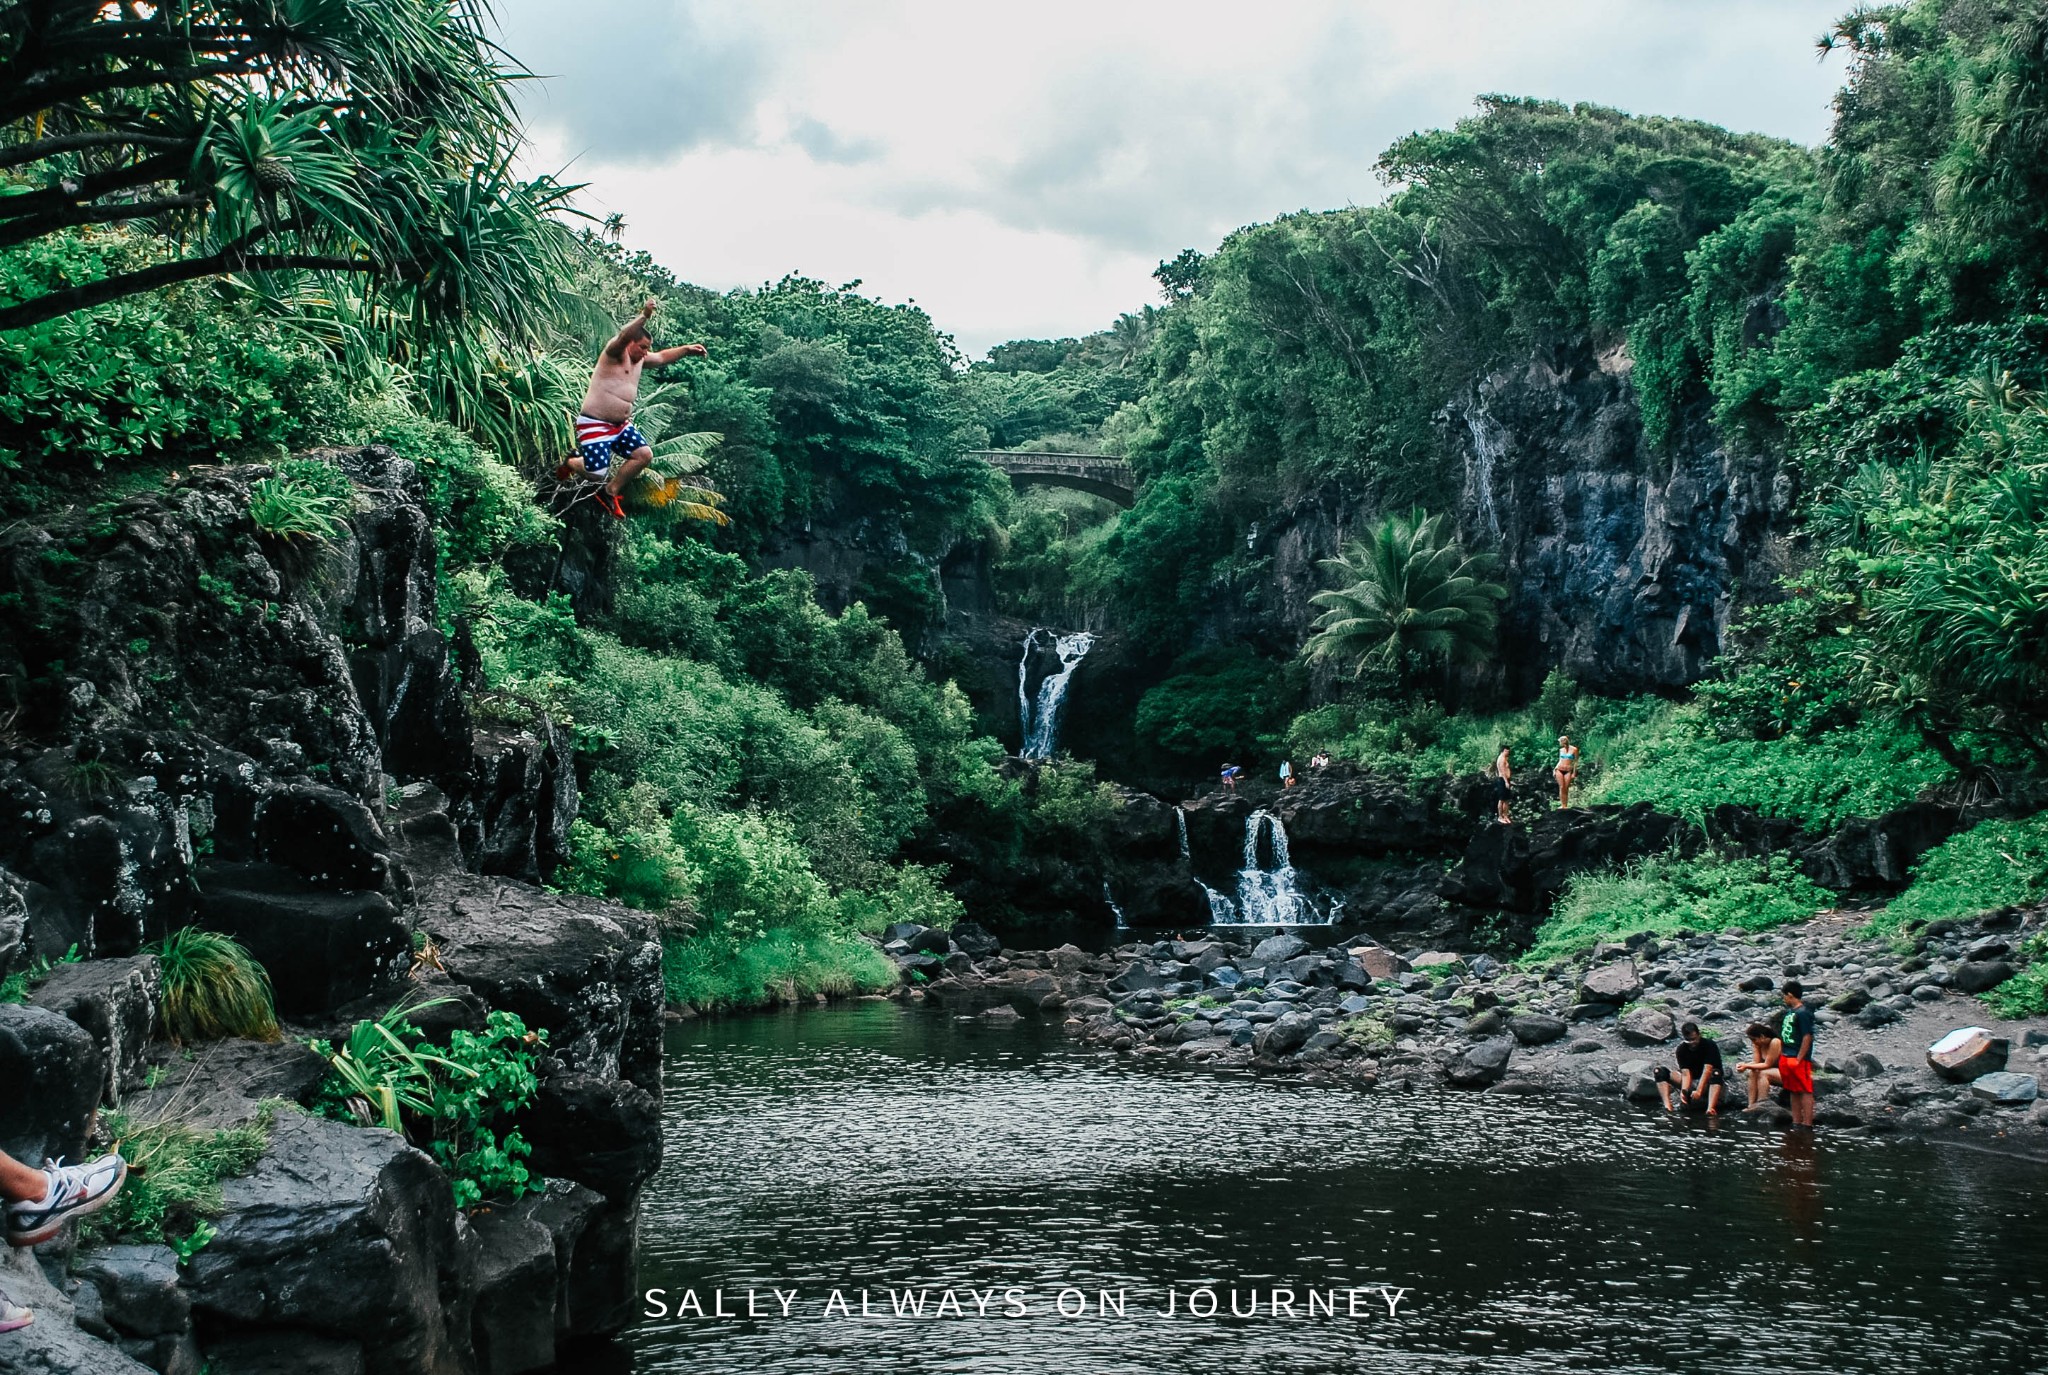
x: 1596, y: 1024
x: 205, y: 728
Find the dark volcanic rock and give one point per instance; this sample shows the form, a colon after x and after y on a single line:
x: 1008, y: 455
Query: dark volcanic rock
x: 587, y: 972
x: 1362, y: 814
x: 603, y: 1132
x: 138, y: 1288
x: 1975, y: 976
x: 512, y: 1269
x: 1876, y: 854
x: 1286, y: 1035
x: 115, y: 1001
x: 523, y: 799
x: 321, y: 948
x: 1615, y: 983
x: 1480, y: 1063
x: 1536, y: 1028
x: 325, y: 836
x: 56, y: 1072
x: 345, y: 1232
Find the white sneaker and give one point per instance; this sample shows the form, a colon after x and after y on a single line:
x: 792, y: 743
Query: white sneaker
x: 12, y: 1315
x: 74, y: 1191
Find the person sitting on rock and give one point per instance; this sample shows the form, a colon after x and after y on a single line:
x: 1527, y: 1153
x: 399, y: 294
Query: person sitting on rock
x: 605, y: 427
x: 1795, y: 1063
x: 1567, y: 769
x: 1287, y: 773
x: 1231, y: 773
x: 40, y: 1202
x: 1761, y: 1068
x: 1503, y: 784
x: 1700, y: 1079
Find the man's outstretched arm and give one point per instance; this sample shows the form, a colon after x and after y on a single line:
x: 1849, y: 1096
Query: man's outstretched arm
x: 667, y: 356
x: 635, y: 328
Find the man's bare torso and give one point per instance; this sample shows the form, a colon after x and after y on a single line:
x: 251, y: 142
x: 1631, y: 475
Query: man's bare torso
x: 613, y: 387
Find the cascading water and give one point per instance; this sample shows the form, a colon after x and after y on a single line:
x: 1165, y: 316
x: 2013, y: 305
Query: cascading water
x: 1116, y: 908
x: 1489, y: 444
x: 1268, y: 896
x: 1180, y: 823
x: 1040, y: 716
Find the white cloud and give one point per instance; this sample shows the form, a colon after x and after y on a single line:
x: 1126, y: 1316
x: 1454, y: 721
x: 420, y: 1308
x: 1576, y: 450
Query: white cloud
x: 1019, y: 172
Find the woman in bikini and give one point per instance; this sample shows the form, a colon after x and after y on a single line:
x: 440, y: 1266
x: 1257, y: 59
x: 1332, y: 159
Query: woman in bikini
x: 1567, y: 769
x: 1760, y: 1071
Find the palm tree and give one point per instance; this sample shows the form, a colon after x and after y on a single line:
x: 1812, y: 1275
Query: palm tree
x: 1406, y: 595
x: 339, y: 137
x: 665, y: 485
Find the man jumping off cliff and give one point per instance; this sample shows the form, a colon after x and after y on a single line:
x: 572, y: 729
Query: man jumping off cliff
x: 605, y: 427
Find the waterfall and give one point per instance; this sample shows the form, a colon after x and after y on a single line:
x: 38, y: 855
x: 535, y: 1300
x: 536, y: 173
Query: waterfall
x: 1115, y: 907
x: 1489, y: 443
x: 1266, y: 896
x: 1180, y: 823
x: 1040, y: 717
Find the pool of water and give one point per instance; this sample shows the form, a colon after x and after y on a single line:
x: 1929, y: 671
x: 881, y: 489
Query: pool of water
x: 875, y: 1149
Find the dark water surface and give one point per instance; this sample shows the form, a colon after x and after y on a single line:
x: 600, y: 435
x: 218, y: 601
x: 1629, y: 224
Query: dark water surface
x: 874, y: 1148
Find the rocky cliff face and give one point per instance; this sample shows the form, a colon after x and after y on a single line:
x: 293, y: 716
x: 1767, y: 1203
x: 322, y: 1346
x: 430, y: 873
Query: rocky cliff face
x: 1623, y: 562
x: 202, y: 724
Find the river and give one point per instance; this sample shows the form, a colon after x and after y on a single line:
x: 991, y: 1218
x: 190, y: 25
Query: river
x: 872, y: 1148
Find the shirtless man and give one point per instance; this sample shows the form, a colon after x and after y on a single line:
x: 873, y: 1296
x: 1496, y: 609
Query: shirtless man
x: 605, y: 427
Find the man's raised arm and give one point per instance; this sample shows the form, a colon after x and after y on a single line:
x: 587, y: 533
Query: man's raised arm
x: 635, y: 328
x: 666, y: 356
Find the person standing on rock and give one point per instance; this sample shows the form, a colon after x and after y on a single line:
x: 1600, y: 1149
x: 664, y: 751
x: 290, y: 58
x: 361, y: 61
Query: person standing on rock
x: 605, y: 427
x: 1287, y: 773
x: 1567, y: 769
x: 1795, y: 1065
x: 1700, y: 1077
x: 1503, y: 784
x: 1230, y: 775
x: 1761, y: 1068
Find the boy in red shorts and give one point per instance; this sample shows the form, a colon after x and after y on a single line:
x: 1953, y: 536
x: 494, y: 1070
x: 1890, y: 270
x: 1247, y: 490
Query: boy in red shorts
x: 1795, y: 1066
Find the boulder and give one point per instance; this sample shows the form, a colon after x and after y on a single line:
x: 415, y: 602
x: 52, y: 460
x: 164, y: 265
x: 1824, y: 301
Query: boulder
x: 1647, y: 1026
x: 1274, y: 950
x: 1379, y: 962
x: 1614, y: 984
x: 343, y: 1232
x: 322, y: 949
x: 1967, y: 1053
x: 13, y: 921
x: 116, y: 1002
x: 915, y: 939
x: 1285, y: 1035
x: 2006, y: 1088
x: 512, y: 1278
x: 1138, y: 976
x: 1863, y: 1065
x: 598, y: 1131
x: 1640, y: 1081
x: 589, y: 1280
x: 977, y: 940
x: 1975, y: 976
x: 1481, y: 1063
x: 138, y: 1288
x: 1536, y: 1028
x: 1486, y: 1025
x: 522, y: 801
x: 1877, y: 854
x: 324, y: 836
x: 56, y: 1074
x: 586, y: 971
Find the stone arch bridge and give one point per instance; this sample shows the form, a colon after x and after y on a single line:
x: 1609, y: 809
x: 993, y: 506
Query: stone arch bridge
x: 1096, y: 474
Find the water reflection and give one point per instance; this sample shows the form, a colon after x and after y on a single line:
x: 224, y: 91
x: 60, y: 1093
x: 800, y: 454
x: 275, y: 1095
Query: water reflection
x: 869, y: 1149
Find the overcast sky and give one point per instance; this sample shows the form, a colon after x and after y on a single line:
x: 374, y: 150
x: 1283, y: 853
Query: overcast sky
x: 1018, y: 170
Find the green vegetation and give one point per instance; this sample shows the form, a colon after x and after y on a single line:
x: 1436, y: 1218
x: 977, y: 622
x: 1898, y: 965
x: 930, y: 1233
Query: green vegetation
x: 174, y: 1177
x: 2025, y: 994
x: 212, y: 988
x: 1406, y: 597
x: 307, y: 503
x: 17, y: 986
x: 1994, y: 864
x: 1668, y: 894
x: 452, y: 1101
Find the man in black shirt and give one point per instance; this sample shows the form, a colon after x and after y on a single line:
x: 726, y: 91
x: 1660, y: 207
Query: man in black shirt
x: 1699, y: 1079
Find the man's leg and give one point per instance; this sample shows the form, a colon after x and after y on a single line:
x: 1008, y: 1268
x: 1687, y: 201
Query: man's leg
x: 625, y: 471
x: 1714, y: 1096
x: 1802, y: 1109
x: 19, y: 1183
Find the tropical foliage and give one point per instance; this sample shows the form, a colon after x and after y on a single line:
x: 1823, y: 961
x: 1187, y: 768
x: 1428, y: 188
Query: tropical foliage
x: 213, y: 988
x: 1406, y: 595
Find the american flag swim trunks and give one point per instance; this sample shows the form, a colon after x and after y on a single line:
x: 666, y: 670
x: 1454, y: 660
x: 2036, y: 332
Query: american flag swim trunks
x: 598, y: 440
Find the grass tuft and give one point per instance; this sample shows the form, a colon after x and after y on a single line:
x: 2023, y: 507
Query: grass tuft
x: 213, y: 988
x: 174, y: 1178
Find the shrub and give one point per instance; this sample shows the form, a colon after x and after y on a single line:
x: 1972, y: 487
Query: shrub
x: 1993, y: 864
x: 453, y: 1102
x: 295, y: 507
x: 1670, y: 893
x: 174, y: 1177
x: 213, y: 988
x: 16, y: 987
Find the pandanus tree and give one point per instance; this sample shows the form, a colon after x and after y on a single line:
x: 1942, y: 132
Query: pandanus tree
x: 1406, y: 596
x: 366, y: 140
